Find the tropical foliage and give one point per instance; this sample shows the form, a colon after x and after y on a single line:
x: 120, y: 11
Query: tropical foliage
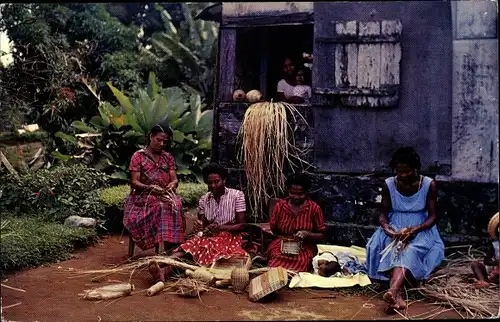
x: 111, y: 137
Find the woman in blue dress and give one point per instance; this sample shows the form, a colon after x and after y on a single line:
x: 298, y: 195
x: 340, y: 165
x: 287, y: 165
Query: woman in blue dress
x: 408, y: 201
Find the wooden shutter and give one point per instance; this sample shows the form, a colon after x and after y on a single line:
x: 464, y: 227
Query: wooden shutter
x: 366, y: 62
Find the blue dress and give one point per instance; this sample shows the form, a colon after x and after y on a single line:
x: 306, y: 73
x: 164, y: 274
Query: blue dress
x: 422, y: 254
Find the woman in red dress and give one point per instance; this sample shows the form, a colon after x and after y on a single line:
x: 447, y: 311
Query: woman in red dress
x: 299, y: 218
x: 151, y: 215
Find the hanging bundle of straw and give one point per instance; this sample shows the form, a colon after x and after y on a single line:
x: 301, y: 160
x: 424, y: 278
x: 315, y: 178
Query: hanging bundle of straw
x: 267, y: 145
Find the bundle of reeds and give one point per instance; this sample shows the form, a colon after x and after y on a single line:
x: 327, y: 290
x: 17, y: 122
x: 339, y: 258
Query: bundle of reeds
x: 452, y: 286
x: 267, y: 146
x: 398, y: 243
x: 190, y: 287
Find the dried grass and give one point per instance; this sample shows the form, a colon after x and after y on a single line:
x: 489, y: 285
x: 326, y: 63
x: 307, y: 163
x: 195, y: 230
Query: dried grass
x: 267, y: 146
x: 452, y: 286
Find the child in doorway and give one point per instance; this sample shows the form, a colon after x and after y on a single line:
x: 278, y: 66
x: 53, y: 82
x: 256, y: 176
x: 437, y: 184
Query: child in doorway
x: 488, y: 271
x: 301, y: 92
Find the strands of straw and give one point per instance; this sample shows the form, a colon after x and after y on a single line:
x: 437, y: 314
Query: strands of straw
x: 267, y: 145
x: 451, y: 286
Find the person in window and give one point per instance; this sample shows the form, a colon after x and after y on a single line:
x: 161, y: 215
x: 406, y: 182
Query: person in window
x: 409, y: 211
x: 153, y: 212
x: 286, y: 85
x: 221, y: 211
x: 301, y: 93
x: 299, y: 218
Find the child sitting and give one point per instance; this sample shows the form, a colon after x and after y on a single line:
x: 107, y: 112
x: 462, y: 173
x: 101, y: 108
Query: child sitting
x: 488, y: 271
x: 301, y: 92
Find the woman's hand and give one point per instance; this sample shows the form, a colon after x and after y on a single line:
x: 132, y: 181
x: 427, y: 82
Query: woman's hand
x: 156, y: 189
x: 172, y: 186
x: 390, y: 232
x: 302, y: 234
x: 412, y: 232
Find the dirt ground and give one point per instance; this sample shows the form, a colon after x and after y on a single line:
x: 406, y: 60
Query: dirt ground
x: 52, y: 295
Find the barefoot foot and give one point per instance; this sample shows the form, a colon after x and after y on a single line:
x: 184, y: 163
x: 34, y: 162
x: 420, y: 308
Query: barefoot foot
x: 156, y: 272
x: 389, y: 298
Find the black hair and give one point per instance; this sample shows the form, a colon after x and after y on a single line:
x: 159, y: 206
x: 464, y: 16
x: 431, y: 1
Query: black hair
x: 331, y: 268
x: 298, y: 179
x: 213, y: 168
x: 406, y: 155
x: 307, y: 74
x: 157, y: 128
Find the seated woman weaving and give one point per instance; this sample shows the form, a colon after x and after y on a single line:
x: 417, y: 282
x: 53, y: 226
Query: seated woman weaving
x: 298, y: 222
x: 221, y: 212
x: 153, y: 212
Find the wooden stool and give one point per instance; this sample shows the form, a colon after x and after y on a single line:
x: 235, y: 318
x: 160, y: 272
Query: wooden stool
x: 131, y: 246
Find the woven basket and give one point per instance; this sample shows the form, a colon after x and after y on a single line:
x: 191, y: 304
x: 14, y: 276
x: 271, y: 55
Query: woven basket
x: 239, y: 279
x: 290, y: 247
x: 267, y: 283
x: 493, y: 226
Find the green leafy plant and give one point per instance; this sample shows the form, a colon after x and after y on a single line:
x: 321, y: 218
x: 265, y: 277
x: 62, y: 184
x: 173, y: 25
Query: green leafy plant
x: 190, y: 193
x: 28, y: 241
x: 193, y: 46
x: 110, y: 138
x: 56, y: 193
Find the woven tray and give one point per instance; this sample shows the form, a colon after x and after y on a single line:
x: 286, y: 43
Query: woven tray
x: 290, y: 247
x: 223, y: 267
x: 267, y: 283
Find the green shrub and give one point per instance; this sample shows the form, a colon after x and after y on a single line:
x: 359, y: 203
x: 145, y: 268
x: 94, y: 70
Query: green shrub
x: 114, y: 196
x: 190, y: 193
x: 56, y: 193
x: 28, y: 241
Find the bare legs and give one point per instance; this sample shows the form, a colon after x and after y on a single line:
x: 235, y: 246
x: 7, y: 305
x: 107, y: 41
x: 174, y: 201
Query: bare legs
x: 394, y: 295
x: 160, y: 273
x: 481, y: 275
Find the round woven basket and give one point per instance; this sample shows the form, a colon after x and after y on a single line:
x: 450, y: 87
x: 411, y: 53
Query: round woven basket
x: 240, y: 278
x: 493, y: 226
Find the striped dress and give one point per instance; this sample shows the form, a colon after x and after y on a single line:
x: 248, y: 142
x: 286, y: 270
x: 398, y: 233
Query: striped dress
x: 207, y: 250
x: 284, y: 222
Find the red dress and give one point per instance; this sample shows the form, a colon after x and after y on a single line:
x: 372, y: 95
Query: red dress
x: 149, y: 220
x: 207, y: 250
x: 284, y: 222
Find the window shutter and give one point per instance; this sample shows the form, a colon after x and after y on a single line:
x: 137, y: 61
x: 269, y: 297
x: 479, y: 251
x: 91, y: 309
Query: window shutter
x: 366, y: 63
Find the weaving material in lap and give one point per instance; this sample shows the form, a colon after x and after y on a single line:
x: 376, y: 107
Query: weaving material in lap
x: 267, y: 283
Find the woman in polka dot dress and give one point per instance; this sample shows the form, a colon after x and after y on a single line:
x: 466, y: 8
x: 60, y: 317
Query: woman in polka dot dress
x: 222, y: 210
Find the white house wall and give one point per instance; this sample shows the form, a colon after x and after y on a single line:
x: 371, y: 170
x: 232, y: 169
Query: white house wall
x: 475, y: 91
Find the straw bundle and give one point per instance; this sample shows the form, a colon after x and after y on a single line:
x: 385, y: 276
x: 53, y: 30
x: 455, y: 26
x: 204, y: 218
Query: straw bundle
x: 452, y: 287
x: 190, y: 287
x: 267, y: 144
x: 397, y: 245
x: 108, y: 292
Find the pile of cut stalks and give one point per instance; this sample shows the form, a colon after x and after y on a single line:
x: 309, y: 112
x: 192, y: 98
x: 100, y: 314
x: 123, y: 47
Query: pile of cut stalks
x: 452, y: 286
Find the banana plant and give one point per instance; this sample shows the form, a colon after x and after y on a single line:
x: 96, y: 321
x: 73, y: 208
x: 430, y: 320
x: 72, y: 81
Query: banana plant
x: 193, y: 46
x: 112, y: 136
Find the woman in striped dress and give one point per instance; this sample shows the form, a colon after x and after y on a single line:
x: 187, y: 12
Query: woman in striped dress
x: 299, y: 218
x: 222, y: 209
